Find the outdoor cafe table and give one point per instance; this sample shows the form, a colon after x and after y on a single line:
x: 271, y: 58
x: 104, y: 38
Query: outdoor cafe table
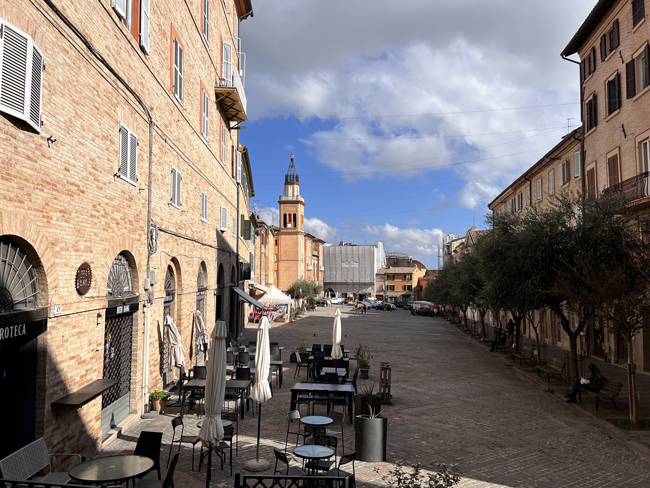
x: 239, y: 385
x: 277, y: 365
x: 317, y: 421
x: 313, y: 452
x: 111, y: 469
x: 342, y: 389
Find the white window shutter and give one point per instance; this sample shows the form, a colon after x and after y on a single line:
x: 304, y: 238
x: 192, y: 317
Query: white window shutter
x: 576, y: 164
x: 133, y: 157
x: 120, y: 7
x: 21, y: 76
x: 226, y: 66
x: 223, y: 145
x: 124, y: 152
x: 206, y: 108
x: 145, y: 22
x: 173, y: 195
x: 234, y: 226
x: 238, y: 167
x: 223, y: 220
x: 178, y: 188
x: 206, y: 20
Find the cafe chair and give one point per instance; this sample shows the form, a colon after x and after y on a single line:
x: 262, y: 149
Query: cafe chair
x: 148, y: 445
x: 323, y: 464
x: 234, y: 419
x: 245, y: 374
x: 243, y: 359
x: 182, y: 439
x: 354, y: 379
x: 290, y: 470
x: 345, y: 459
x: 230, y: 362
x: 299, y: 365
x: 331, y: 378
x: 200, y: 372
x: 315, y: 348
x: 291, y: 418
x: 274, y: 350
x: 169, y: 478
x: 339, y: 418
x: 220, y: 450
x: 327, y: 349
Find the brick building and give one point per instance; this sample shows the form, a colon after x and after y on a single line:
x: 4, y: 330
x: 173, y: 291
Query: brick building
x: 613, y: 46
x: 122, y: 202
x: 397, y: 284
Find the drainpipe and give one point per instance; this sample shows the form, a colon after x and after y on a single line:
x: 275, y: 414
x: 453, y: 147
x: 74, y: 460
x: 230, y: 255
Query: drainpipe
x: 147, y: 319
x: 237, y: 253
x: 582, y: 139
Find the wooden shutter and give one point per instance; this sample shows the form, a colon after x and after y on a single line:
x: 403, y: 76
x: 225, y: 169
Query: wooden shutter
x: 615, y: 36
x: 206, y: 20
x: 205, y: 109
x: 603, y: 47
x: 223, y: 145
x: 617, y: 91
x: 612, y: 169
x: 594, y: 111
x: 120, y: 8
x: 173, y: 189
x: 591, y: 182
x: 646, y: 52
x: 582, y: 71
x: 630, y: 79
x: 588, y: 111
x: 638, y: 11
x: 592, y: 60
x: 576, y: 164
x: 133, y: 157
x: 145, y: 23
x: 178, y: 188
x: 223, y: 219
x: 124, y: 152
x: 226, y: 65
x: 204, y: 207
x: 21, y: 76
x: 239, y: 168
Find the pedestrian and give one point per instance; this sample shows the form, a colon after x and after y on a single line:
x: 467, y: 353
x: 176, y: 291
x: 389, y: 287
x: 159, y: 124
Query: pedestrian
x: 501, y: 340
x: 593, y: 383
x: 511, y: 329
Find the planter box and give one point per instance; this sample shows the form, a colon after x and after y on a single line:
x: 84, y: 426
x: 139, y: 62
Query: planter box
x: 282, y: 319
x: 370, y: 438
x: 362, y: 404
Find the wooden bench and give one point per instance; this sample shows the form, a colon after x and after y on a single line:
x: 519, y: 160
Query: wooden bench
x: 280, y: 481
x: 553, y: 367
x: 503, y: 347
x: 526, y: 354
x: 609, y: 391
x: 28, y: 461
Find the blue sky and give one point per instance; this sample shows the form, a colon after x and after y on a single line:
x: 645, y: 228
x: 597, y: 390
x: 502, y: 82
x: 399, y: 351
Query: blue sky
x: 405, y: 118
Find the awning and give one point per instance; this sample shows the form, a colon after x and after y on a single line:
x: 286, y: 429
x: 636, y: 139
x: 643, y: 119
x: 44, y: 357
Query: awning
x: 245, y: 296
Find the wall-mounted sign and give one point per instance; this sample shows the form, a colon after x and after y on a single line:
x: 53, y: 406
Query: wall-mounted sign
x: 83, y: 279
x: 350, y: 264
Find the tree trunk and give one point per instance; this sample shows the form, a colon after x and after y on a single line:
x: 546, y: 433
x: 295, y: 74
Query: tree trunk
x: 631, y: 380
x: 482, y: 314
x: 517, y: 332
x: 464, y: 310
x: 573, y: 340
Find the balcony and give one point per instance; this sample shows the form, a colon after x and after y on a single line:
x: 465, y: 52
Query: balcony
x: 310, y: 267
x: 314, y: 252
x: 231, y: 96
x: 632, y: 189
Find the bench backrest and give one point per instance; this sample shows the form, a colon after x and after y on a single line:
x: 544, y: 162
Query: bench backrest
x: 26, y: 462
x: 276, y: 481
x: 526, y: 351
x: 556, y: 363
x: 611, y: 387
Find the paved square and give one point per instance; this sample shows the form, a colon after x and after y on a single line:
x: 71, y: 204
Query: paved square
x: 453, y: 402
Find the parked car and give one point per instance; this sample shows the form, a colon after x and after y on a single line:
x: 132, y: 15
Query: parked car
x: 369, y: 304
x: 321, y: 303
x: 385, y: 306
x: 337, y: 301
x: 399, y: 304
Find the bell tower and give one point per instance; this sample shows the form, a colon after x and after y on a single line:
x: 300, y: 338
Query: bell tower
x: 291, y: 232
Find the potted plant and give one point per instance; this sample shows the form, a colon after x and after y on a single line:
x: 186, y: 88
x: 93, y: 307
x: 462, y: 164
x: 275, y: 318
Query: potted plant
x: 370, y: 434
x: 367, y: 401
x: 301, y: 349
x: 159, y: 400
x: 363, y: 357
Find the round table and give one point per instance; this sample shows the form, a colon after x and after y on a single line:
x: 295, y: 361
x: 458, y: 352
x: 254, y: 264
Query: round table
x: 111, y: 468
x: 313, y: 452
x: 224, y: 423
x: 316, y: 420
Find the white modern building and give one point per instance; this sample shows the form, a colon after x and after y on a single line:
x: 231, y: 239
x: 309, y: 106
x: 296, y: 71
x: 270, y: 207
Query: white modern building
x: 350, y: 269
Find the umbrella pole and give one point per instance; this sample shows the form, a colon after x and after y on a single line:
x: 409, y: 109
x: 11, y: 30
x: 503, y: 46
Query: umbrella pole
x: 259, y: 424
x: 209, y: 471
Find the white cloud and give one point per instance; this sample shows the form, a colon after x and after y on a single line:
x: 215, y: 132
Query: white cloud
x: 474, y: 194
x: 422, y: 243
x: 269, y: 215
x: 320, y: 229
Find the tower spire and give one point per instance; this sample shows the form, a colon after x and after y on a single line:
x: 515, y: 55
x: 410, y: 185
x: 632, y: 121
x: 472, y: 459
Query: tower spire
x: 292, y: 175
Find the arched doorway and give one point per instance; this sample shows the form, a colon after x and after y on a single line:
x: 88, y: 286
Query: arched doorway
x: 169, y: 309
x: 118, y: 340
x: 23, y: 288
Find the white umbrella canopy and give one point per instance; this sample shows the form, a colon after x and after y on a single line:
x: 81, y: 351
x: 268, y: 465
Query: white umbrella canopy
x: 175, y: 343
x: 211, y: 432
x: 261, y: 391
x: 336, y: 336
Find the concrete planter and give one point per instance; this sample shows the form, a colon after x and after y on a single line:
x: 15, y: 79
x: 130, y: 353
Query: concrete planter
x: 370, y: 438
x: 363, y: 403
x: 159, y: 405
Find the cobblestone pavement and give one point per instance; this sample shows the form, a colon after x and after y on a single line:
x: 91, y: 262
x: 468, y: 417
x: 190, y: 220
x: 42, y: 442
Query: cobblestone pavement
x: 453, y: 402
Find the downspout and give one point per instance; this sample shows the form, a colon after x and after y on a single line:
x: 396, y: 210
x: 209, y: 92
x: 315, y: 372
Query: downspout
x: 147, y: 320
x: 237, y: 274
x: 582, y: 139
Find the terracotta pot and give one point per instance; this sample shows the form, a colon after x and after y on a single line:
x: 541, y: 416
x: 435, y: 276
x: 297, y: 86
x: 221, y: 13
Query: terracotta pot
x: 159, y: 405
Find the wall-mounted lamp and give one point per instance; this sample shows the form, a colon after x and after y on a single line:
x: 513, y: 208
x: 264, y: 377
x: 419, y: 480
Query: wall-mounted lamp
x: 50, y: 140
x: 99, y: 316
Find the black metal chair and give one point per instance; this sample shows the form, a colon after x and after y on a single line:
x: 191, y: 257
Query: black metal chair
x: 220, y: 450
x: 200, y: 372
x: 345, y: 459
x: 243, y: 359
x: 327, y: 349
x: 148, y: 445
x: 233, y: 417
x: 315, y: 348
x: 323, y: 464
x: 274, y: 350
x: 354, y: 379
x: 331, y: 377
x: 244, y: 374
x: 182, y: 439
x: 291, y: 470
x: 299, y: 365
x: 169, y: 478
x: 291, y: 418
x: 340, y: 418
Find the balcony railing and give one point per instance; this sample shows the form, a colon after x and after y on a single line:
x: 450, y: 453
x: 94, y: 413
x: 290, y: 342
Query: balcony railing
x: 230, y: 93
x: 633, y: 188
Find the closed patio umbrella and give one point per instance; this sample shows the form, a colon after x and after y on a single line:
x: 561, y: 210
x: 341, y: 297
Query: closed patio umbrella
x: 336, y: 336
x: 202, y: 339
x: 261, y: 391
x: 177, y: 353
x: 211, y: 433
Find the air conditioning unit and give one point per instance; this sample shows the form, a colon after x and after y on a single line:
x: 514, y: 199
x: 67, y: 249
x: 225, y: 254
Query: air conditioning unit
x: 153, y: 276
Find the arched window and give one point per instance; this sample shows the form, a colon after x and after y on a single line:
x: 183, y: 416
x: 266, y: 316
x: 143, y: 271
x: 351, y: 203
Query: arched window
x: 295, y: 221
x: 120, y: 283
x: 17, y: 280
x: 285, y: 220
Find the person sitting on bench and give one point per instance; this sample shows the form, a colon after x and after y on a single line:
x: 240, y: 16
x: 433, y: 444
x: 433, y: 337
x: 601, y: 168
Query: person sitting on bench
x: 501, y: 340
x: 593, y: 383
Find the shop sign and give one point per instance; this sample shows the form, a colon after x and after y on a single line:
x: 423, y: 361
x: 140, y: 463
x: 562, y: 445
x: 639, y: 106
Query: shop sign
x: 83, y: 278
x: 26, y: 329
x: 350, y: 264
x: 200, y: 295
x: 169, y: 296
